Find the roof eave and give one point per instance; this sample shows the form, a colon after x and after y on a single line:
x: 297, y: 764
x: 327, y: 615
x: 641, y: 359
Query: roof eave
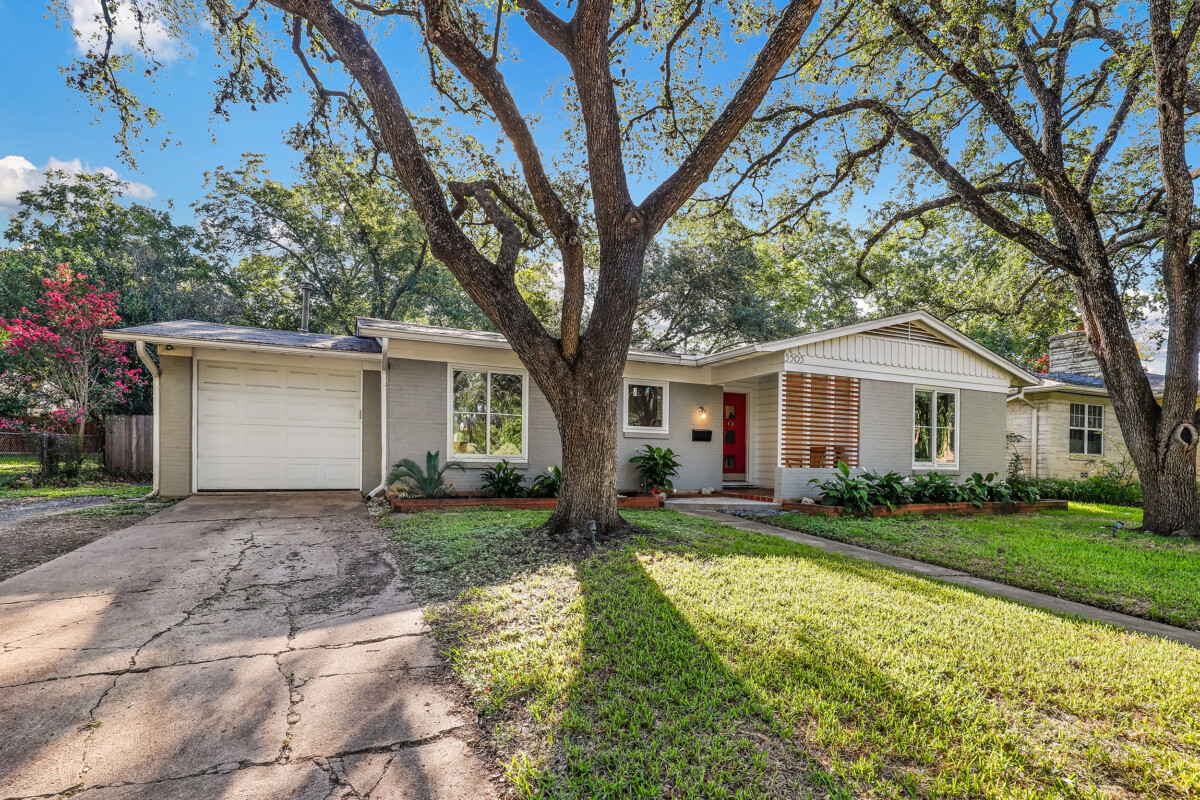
x: 443, y: 337
x: 183, y: 341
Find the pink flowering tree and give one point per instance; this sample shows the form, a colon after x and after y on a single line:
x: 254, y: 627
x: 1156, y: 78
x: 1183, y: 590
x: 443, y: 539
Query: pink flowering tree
x: 58, y: 357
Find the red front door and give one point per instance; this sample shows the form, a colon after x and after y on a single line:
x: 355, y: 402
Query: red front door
x: 733, y: 424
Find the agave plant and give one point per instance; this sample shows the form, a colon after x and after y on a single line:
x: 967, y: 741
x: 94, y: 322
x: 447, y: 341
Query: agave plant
x: 411, y: 481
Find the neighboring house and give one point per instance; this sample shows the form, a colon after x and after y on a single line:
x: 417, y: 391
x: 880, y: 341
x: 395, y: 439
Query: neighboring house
x: 247, y: 408
x: 1065, y: 426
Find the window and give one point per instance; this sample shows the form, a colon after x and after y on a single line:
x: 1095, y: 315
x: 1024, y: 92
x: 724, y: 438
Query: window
x: 1087, y: 430
x: 487, y: 414
x: 935, y: 428
x: 646, y: 407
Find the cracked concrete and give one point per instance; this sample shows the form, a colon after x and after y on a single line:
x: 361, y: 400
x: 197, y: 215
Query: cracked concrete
x: 233, y: 646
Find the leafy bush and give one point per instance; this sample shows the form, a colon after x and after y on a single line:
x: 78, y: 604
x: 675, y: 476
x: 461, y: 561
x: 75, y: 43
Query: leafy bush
x: 503, y: 480
x: 548, y: 484
x: 859, y: 494
x: 1100, y: 488
x: 934, y: 487
x: 59, y: 456
x: 411, y: 481
x: 658, y: 466
x: 853, y: 493
x: 887, y: 490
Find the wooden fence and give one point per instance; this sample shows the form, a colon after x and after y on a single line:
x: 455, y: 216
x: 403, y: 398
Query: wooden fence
x: 129, y: 444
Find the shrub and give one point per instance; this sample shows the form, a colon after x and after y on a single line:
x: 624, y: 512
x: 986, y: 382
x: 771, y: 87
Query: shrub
x: 854, y: 494
x: 548, y: 484
x: 859, y: 494
x: 1094, y: 489
x: 658, y: 466
x: 59, y: 456
x: 503, y: 480
x: 411, y: 481
x: 934, y: 487
x: 887, y: 490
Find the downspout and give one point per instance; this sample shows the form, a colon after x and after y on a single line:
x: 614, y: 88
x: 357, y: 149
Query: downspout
x: 383, y: 417
x: 155, y: 373
x: 1033, y: 432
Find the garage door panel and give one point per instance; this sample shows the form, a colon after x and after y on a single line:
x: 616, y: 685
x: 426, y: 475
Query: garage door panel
x: 264, y: 378
x: 220, y: 374
x: 343, y: 383
x: 304, y: 380
x: 262, y: 427
x: 303, y: 409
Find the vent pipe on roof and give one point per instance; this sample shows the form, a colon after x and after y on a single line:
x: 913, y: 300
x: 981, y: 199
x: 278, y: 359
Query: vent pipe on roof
x: 306, y: 297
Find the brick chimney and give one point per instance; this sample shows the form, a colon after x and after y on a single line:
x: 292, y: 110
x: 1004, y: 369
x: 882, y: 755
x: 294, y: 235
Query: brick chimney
x: 1070, y: 352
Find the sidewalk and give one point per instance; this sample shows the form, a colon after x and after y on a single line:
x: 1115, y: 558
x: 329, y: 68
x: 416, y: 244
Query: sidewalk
x: 959, y: 578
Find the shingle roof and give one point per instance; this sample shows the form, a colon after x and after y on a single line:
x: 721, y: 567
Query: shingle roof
x: 1055, y: 379
x: 485, y: 337
x: 216, y: 332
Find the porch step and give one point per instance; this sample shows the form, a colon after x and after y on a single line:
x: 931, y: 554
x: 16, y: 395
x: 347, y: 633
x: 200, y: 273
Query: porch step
x: 717, y: 503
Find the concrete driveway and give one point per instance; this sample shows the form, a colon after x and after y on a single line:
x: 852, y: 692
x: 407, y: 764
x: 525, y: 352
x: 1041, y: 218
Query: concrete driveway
x: 239, y: 646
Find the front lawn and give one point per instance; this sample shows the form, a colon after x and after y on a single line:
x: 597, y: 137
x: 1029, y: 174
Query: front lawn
x: 93, y: 483
x: 1069, y: 554
x: 702, y: 661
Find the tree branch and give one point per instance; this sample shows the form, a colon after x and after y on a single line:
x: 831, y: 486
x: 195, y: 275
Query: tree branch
x: 672, y: 193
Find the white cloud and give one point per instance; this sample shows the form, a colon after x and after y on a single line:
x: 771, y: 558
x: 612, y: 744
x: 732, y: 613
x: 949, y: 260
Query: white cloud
x: 18, y: 174
x: 87, y: 20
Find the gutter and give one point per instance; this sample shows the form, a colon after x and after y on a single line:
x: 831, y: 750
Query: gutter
x: 155, y: 373
x: 1033, y: 431
x: 383, y: 418
x: 220, y: 344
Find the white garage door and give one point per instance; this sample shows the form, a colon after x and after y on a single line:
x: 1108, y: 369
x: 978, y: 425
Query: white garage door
x: 276, y: 427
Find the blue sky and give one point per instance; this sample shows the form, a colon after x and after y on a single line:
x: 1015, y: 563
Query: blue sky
x: 48, y: 125
x: 44, y: 122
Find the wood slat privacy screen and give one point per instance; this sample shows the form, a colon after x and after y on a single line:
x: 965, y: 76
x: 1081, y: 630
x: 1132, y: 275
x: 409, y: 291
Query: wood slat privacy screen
x: 819, y: 421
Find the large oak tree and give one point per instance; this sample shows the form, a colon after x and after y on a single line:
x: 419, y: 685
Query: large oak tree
x: 1063, y: 128
x: 632, y: 77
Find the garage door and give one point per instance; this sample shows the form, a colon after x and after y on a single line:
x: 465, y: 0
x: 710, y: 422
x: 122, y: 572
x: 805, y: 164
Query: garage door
x: 277, y: 427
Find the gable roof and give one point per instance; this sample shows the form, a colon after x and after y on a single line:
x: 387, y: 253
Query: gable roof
x: 190, y: 331
x: 889, y: 327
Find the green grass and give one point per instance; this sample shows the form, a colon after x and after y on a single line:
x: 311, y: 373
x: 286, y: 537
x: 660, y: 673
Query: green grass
x: 1068, y: 554
x: 698, y: 661
x: 92, y: 484
x: 121, y: 510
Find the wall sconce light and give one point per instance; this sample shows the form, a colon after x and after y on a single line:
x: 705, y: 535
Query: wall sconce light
x: 703, y: 412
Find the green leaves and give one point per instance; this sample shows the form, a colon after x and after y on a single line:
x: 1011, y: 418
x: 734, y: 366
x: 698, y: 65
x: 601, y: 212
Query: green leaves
x: 657, y: 466
x: 411, y: 481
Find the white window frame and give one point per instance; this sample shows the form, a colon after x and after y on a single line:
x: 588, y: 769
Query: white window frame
x: 912, y: 408
x: 666, y: 387
x: 486, y: 458
x: 1086, y: 429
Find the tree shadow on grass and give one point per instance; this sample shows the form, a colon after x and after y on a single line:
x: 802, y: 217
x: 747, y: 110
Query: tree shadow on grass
x: 696, y: 674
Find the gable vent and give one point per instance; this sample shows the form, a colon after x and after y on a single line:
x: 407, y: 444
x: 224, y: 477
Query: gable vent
x: 910, y: 332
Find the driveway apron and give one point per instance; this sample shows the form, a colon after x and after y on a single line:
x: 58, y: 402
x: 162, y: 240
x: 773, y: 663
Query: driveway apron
x: 233, y: 646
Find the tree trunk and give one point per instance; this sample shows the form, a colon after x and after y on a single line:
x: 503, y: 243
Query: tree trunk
x: 1166, y: 466
x: 1172, y: 506
x: 586, y: 413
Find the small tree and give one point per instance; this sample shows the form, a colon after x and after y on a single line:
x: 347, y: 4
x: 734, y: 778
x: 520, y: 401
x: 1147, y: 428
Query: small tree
x: 60, y: 358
